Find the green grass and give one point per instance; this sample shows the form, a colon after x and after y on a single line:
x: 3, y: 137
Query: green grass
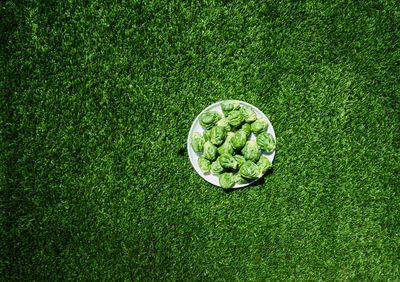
x: 96, y: 103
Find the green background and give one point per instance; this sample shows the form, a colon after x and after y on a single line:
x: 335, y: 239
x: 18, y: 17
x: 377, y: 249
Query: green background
x: 97, y: 99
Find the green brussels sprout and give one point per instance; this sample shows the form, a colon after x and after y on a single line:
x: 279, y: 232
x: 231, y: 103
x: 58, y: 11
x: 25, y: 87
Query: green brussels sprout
x: 259, y: 125
x: 238, y: 178
x: 248, y: 113
x: 235, y: 118
x: 210, y: 151
x: 240, y: 159
x: 227, y: 148
x: 264, y: 164
x: 216, y: 167
x: 251, y: 151
x: 218, y: 135
x: 204, y: 164
x: 229, y: 106
x: 224, y: 122
x: 246, y: 128
x: 226, y: 180
x: 227, y: 161
x: 209, y: 119
x: 266, y: 141
x: 207, y: 135
x: 239, y: 140
x: 250, y: 170
x: 197, y: 142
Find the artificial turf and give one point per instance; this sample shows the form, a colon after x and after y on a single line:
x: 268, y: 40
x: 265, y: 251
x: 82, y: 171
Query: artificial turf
x: 97, y: 98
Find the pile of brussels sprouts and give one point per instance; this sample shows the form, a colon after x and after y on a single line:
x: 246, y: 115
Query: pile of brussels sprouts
x: 225, y: 145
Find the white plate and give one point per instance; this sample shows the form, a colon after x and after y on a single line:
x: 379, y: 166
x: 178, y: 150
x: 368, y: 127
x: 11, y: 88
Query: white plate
x: 196, y: 127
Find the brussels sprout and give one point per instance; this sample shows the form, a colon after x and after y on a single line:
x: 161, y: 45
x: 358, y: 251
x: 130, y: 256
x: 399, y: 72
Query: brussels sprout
x: 229, y: 106
x: 235, y: 118
x: 251, y: 151
x: 216, y: 167
x: 218, y: 135
x: 266, y: 141
x: 197, y: 142
x: 204, y: 164
x: 226, y: 180
x: 207, y: 135
x: 239, y: 140
x: 227, y: 161
x: 209, y: 119
x: 248, y: 113
x: 259, y: 125
x: 227, y: 148
x: 238, y: 178
x: 250, y: 170
x: 264, y: 164
x: 210, y: 151
x: 240, y: 159
x: 224, y: 122
x: 246, y: 128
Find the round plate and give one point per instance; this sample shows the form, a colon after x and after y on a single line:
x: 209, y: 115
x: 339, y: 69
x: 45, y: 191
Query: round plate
x: 196, y: 127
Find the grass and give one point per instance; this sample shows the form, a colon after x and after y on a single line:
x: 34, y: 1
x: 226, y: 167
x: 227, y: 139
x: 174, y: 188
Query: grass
x: 97, y: 99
